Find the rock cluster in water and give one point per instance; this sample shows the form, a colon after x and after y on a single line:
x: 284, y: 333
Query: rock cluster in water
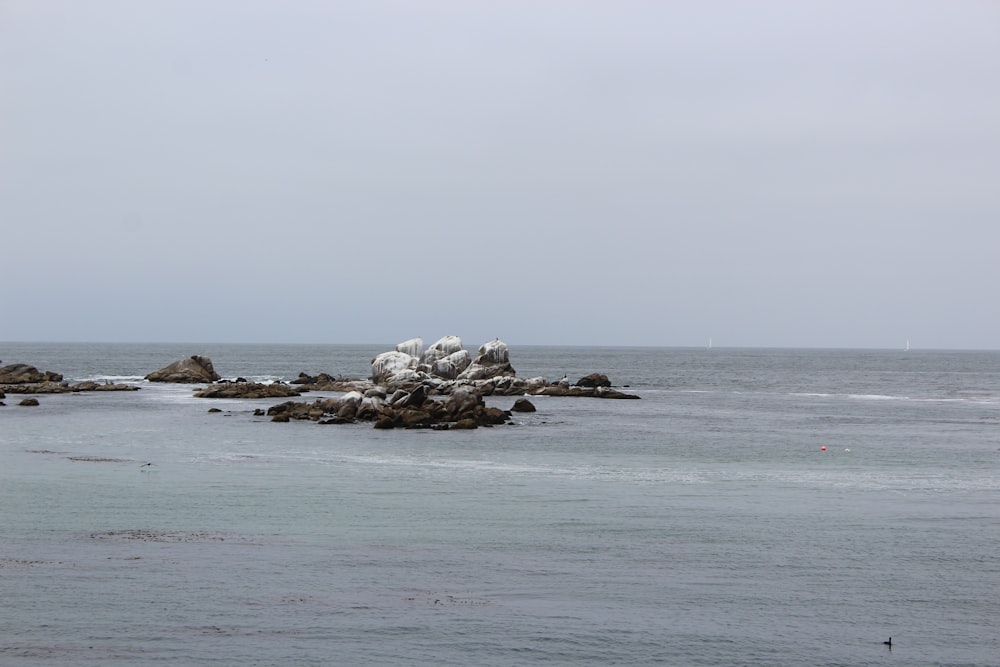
x: 447, y: 366
x: 463, y: 409
x: 25, y: 379
x: 398, y: 394
x: 243, y: 389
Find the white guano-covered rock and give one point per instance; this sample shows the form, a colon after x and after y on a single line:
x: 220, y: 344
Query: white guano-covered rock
x: 493, y: 352
x: 389, y: 364
x: 452, y: 365
x: 448, y: 345
x: 413, y: 347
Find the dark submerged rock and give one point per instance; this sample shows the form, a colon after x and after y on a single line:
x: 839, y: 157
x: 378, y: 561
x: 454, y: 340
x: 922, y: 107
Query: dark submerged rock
x: 247, y: 390
x: 403, y: 410
x: 583, y: 392
x: 523, y: 405
x: 594, y: 380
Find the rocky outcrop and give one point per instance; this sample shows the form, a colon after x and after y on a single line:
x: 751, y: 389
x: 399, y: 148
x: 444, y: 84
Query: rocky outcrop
x: 326, y: 382
x: 401, y: 409
x: 446, y: 367
x: 192, y: 370
x: 25, y: 379
x: 247, y: 390
x: 66, y: 387
x: 25, y: 374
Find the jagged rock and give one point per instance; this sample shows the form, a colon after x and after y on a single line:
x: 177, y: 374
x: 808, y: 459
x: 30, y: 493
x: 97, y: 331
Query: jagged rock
x: 195, y: 369
x: 415, y: 398
x: 25, y: 374
x: 247, y: 390
x: 523, y: 405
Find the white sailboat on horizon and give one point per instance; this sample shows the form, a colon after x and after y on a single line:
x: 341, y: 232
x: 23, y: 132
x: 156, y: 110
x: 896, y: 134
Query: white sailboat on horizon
x: 907, y: 348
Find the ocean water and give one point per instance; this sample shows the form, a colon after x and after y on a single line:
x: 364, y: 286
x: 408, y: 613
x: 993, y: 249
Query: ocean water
x: 701, y: 525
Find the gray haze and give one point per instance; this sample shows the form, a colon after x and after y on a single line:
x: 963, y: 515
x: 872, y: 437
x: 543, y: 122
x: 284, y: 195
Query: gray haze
x: 809, y: 174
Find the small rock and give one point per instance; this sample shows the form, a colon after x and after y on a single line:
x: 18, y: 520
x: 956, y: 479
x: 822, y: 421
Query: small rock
x: 523, y: 405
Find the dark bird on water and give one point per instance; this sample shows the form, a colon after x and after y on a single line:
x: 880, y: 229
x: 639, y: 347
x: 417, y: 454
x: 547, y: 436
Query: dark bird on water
x: 888, y: 643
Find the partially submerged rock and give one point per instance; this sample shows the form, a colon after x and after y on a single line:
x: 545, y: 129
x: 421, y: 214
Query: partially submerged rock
x: 195, y: 369
x: 463, y: 409
x: 594, y: 380
x: 326, y: 382
x: 25, y: 379
x: 247, y: 390
x: 583, y: 392
x: 66, y: 387
x: 523, y: 405
x: 25, y: 374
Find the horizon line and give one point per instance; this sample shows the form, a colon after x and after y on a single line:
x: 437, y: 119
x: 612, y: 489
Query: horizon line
x: 714, y: 347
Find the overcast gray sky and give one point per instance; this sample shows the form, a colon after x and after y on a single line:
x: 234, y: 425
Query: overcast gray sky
x: 805, y: 174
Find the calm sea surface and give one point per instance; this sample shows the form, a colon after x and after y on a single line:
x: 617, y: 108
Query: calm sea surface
x: 701, y: 525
